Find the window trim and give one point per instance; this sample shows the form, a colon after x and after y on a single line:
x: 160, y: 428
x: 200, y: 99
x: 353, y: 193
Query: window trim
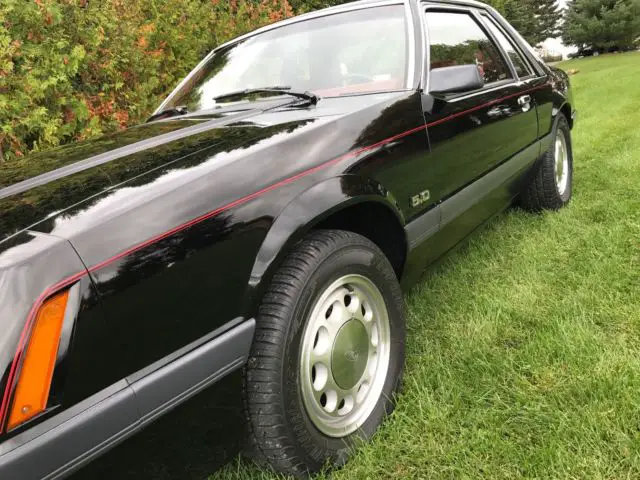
x: 539, y: 68
x: 493, y: 87
x: 411, y: 40
x: 485, y: 18
x: 474, y: 14
x: 478, y: 18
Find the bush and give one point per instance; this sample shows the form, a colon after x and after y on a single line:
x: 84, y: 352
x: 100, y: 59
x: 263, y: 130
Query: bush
x: 71, y: 69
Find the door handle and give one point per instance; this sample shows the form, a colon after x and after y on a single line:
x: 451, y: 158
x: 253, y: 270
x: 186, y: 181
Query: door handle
x: 522, y: 101
x: 525, y: 102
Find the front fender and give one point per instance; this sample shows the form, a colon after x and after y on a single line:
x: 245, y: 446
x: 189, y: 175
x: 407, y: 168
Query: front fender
x: 34, y: 266
x: 300, y: 216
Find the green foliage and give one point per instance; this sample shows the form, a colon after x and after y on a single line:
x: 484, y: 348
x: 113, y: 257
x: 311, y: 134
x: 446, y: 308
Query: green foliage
x: 536, y: 20
x: 548, y: 14
x: 602, y: 24
x: 71, y: 69
x: 309, y: 5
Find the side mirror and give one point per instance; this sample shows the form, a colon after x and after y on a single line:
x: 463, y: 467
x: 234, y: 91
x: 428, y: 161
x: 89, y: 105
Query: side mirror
x: 457, y: 79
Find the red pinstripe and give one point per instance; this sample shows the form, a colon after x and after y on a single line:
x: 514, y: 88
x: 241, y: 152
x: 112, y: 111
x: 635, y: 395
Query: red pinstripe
x: 68, y: 281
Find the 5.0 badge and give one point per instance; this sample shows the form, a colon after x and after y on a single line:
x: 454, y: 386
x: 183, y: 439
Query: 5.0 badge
x: 420, y: 199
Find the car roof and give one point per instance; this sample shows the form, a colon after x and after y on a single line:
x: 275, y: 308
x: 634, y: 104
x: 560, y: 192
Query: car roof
x: 346, y: 7
x: 470, y: 3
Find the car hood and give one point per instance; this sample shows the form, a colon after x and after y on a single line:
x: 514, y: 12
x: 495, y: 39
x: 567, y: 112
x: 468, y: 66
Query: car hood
x: 45, y: 184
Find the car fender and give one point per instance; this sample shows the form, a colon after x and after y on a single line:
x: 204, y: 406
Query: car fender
x: 563, y: 95
x: 33, y: 267
x: 301, y: 214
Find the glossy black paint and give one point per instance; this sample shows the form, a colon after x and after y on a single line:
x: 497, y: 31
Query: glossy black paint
x: 179, y: 287
x: 173, y: 228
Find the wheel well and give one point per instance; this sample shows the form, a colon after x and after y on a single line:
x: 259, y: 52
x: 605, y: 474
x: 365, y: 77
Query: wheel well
x: 566, y: 110
x: 375, y: 222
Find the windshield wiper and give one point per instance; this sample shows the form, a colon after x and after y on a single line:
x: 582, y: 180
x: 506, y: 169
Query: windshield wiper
x: 169, y: 112
x: 311, y: 97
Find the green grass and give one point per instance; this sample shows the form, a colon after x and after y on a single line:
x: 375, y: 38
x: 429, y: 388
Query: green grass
x: 523, y: 353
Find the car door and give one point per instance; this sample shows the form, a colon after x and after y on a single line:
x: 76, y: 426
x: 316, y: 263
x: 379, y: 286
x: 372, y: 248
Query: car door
x: 473, y: 133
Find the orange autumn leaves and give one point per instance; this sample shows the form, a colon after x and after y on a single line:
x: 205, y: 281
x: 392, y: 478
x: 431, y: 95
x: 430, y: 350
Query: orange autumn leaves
x: 72, y: 69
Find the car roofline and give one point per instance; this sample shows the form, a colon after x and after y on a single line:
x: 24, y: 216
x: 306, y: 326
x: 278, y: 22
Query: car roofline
x: 359, y: 5
x: 466, y: 3
x: 346, y: 7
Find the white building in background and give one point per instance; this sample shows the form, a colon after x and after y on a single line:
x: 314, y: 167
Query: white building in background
x: 554, y: 46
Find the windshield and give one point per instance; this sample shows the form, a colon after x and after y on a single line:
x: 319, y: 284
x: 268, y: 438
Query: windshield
x: 346, y: 53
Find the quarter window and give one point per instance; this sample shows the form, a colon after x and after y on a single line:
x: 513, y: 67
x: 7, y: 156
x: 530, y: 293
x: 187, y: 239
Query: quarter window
x: 456, y: 39
x: 518, y: 62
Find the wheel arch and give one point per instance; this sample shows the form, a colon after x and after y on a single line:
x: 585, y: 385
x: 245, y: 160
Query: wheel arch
x: 565, y: 108
x: 567, y: 111
x: 330, y: 205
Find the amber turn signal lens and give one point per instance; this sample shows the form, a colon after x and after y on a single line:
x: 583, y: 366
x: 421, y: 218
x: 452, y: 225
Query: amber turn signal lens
x: 34, y: 382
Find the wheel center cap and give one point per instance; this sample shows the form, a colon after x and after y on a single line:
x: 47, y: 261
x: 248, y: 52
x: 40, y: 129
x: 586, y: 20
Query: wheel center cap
x: 350, y: 354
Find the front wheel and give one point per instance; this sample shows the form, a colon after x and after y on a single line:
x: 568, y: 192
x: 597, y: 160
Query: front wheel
x: 328, y: 353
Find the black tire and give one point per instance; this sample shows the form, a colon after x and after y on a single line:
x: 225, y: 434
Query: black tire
x: 282, y: 434
x: 542, y: 191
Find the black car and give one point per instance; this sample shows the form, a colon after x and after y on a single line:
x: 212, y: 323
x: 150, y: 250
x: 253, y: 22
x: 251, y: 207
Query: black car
x: 266, y: 217
x: 585, y: 52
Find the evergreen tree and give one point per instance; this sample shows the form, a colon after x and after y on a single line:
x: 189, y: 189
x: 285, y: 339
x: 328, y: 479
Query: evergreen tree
x: 536, y: 20
x: 549, y: 15
x: 521, y: 14
x: 602, y: 24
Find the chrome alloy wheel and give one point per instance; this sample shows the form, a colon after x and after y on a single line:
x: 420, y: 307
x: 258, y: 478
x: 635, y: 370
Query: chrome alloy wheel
x: 345, y: 355
x: 561, y: 162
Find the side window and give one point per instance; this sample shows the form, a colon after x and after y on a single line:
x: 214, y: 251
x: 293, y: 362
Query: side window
x: 456, y: 39
x: 516, y: 58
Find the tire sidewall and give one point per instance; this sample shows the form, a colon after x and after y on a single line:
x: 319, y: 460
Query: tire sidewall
x: 562, y: 124
x: 347, y: 260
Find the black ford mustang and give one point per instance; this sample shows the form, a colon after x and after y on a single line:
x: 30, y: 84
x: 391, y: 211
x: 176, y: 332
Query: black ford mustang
x: 265, y: 217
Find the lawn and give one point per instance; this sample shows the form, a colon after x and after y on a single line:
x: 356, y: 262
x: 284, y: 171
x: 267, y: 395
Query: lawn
x: 523, y: 353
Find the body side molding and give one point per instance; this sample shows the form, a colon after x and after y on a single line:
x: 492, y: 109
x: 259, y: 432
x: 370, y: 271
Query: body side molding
x: 438, y: 217
x: 65, y: 442
x: 423, y: 227
x: 470, y: 195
